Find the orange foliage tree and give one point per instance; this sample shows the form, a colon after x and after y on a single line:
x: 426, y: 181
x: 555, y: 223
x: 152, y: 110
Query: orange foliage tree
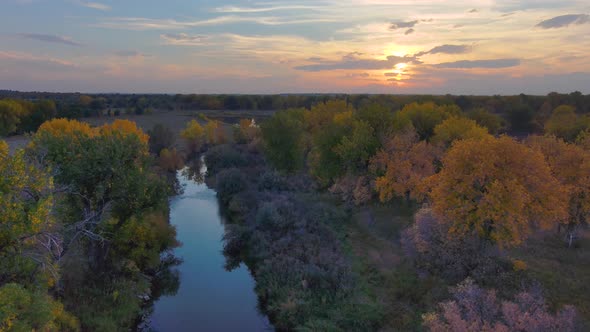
x: 403, y: 163
x: 498, y: 189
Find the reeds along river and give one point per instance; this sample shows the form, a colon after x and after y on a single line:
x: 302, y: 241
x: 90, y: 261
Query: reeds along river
x: 209, y: 297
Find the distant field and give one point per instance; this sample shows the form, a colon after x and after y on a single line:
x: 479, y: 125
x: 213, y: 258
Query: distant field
x: 175, y: 120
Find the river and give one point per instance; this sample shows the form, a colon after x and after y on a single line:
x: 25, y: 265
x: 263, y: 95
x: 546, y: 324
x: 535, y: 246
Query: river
x: 209, y: 298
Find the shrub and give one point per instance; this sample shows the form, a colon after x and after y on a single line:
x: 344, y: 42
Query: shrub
x: 230, y: 182
x: 170, y: 160
x: 477, y: 309
x: 433, y: 249
x: 223, y: 156
x: 161, y: 137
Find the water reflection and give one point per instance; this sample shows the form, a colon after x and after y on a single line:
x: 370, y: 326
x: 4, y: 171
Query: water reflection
x: 208, y: 297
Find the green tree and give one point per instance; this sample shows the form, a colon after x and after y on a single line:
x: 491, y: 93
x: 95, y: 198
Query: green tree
x: 565, y: 123
x: 283, y: 139
x: 424, y: 117
x: 494, y: 123
x: 25, y: 310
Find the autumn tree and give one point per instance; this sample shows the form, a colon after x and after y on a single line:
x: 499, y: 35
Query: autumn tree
x: 570, y: 164
x: 246, y: 131
x: 457, y: 128
x: 402, y: 165
x: 565, y: 123
x: 322, y: 114
x: 11, y: 115
x: 498, y: 189
x: 194, y: 136
x: 424, y: 117
x: 109, y: 193
x: 474, y: 309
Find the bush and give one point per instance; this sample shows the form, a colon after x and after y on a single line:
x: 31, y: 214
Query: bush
x: 229, y: 183
x: 170, y: 160
x: 477, y: 309
x: 221, y: 157
x: 161, y: 137
x: 434, y: 250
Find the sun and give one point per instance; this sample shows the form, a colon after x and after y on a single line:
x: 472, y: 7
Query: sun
x: 401, y: 66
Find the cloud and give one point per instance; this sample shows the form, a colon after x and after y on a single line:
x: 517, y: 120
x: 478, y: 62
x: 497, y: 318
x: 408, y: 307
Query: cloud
x: 30, y: 58
x: 94, y: 5
x: 469, y: 64
x: 564, y: 21
x: 349, y: 63
x: 409, y: 31
x: 473, y: 11
x: 447, y: 49
x: 50, y: 38
x: 143, y: 24
x: 402, y: 25
x: 235, y: 9
x: 129, y: 54
x: 183, y: 39
x: 357, y: 75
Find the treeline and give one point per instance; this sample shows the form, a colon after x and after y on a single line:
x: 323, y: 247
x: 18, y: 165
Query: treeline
x: 479, y: 191
x: 522, y: 113
x: 85, y: 240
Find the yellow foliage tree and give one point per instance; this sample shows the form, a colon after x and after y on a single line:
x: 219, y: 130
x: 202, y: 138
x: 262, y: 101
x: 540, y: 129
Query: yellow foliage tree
x: 124, y: 127
x: 194, y: 135
x: 65, y: 127
x: 498, y: 189
x: 457, y: 128
x: 323, y: 114
x: 570, y: 164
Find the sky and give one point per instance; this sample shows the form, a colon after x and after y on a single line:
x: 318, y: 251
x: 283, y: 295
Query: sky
x: 480, y: 47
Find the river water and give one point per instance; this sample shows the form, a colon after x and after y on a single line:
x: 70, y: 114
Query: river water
x: 209, y: 298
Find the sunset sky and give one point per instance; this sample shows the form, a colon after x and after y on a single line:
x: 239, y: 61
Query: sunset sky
x: 352, y: 46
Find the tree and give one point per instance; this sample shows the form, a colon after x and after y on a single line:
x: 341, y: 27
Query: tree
x: 570, y: 164
x: 356, y: 148
x: 498, y: 189
x: 25, y: 310
x: 473, y: 309
x: 456, y: 128
x: 11, y: 115
x: 283, y: 139
x: 565, y: 123
x: 161, y: 137
x: 402, y: 165
x: 424, y: 117
x: 379, y: 117
x: 494, y: 123
x: 194, y: 135
x: 322, y: 114
x: 26, y: 221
